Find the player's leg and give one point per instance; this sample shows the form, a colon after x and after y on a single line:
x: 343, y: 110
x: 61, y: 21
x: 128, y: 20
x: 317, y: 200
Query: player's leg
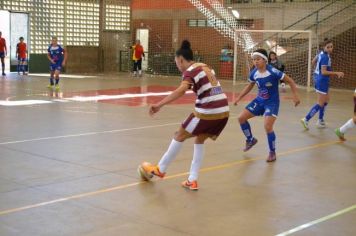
x: 250, y: 111
x: 2, y: 57
x: 351, y: 123
x: 56, y: 76
x: 271, y: 137
x: 23, y: 65
x: 139, y: 66
x: 148, y: 170
x: 18, y: 65
x: 323, y: 102
x: 51, y: 78
x: 135, y: 65
x: 198, y: 155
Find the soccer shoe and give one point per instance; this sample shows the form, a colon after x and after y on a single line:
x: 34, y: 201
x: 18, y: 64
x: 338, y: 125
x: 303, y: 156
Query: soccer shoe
x: 340, y: 135
x: 3, y: 74
x: 321, y: 124
x: 146, y: 171
x: 191, y: 185
x: 305, y: 123
x: 57, y: 87
x: 271, y: 157
x: 250, y: 144
x: 50, y: 86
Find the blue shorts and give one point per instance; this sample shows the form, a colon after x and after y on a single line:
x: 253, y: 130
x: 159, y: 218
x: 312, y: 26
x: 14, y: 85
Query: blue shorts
x: 57, y: 66
x: 322, y: 86
x: 2, y: 54
x: 259, y: 108
x: 21, y: 59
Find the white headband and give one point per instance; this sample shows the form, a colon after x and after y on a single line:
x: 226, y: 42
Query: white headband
x: 260, y: 55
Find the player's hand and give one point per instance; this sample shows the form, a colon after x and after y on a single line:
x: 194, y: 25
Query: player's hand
x: 296, y: 101
x: 63, y: 63
x: 340, y: 75
x: 153, y: 109
x: 52, y: 61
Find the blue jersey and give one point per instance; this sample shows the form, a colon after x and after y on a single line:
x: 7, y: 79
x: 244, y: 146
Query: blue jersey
x: 56, y: 53
x: 267, y: 83
x: 323, y: 60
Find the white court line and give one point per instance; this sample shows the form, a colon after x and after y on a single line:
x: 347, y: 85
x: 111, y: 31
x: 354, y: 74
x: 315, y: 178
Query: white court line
x: 118, y: 96
x: 87, y: 134
x: 23, y: 102
x: 314, y: 222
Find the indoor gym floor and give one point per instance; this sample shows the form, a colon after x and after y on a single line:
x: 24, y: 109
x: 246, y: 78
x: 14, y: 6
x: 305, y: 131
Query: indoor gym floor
x: 68, y: 167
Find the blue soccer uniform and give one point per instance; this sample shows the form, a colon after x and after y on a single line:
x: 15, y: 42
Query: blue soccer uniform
x: 267, y: 101
x: 322, y: 81
x: 56, y: 54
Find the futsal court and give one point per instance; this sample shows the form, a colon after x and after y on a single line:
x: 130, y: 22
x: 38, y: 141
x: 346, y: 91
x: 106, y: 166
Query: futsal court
x: 69, y: 156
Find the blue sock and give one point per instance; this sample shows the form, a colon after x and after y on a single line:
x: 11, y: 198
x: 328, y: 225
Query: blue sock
x: 322, y: 111
x: 246, y: 128
x: 312, y: 112
x: 57, y: 81
x: 271, y: 141
x: 51, y: 81
x: 18, y: 68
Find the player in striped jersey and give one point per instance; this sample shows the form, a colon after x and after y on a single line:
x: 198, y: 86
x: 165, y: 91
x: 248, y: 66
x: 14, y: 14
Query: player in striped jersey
x: 340, y: 132
x: 322, y: 75
x: 207, y: 121
x: 267, y: 101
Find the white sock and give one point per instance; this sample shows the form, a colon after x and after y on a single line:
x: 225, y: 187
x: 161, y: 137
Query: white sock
x: 170, y: 155
x: 348, y: 125
x: 196, y: 162
x: 140, y: 72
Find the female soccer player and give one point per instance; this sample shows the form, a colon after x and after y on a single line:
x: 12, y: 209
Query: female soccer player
x: 348, y: 125
x: 322, y: 75
x: 267, y: 101
x: 207, y: 121
x: 58, y: 57
x: 21, y: 51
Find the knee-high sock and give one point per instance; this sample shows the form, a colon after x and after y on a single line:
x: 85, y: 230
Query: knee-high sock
x: 246, y: 129
x: 170, y: 155
x: 348, y: 125
x: 196, y: 162
x: 322, y: 111
x: 271, y: 141
x: 51, y: 81
x: 312, y: 111
x: 57, y: 80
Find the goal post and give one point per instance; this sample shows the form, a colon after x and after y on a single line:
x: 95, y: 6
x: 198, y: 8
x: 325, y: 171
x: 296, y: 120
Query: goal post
x: 293, y: 48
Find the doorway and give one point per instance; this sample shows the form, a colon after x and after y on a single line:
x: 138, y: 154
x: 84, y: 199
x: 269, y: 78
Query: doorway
x: 13, y: 26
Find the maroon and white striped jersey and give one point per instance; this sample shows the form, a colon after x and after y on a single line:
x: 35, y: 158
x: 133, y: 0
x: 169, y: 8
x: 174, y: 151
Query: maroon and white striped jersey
x: 211, y: 102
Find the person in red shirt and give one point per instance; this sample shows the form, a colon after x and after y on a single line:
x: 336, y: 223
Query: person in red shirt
x: 21, y: 53
x: 137, y: 55
x: 3, y: 53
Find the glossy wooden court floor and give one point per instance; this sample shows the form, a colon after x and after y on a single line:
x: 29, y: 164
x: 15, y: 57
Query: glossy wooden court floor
x: 68, y: 164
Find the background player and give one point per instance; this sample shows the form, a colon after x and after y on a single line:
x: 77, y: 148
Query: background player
x: 3, y: 53
x: 138, y: 53
x: 267, y: 101
x: 322, y: 75
x: 207, y: 121
x: 348, y: 125
x: 21, y: 54
x: 276, y: 63
x: 57, y: 57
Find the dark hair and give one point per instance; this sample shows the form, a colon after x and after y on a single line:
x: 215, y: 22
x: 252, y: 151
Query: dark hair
x: 262, y: 51
x: 21, y: 38
x: 269, y: 56
x: 185, y: 51
x: 326, y: 42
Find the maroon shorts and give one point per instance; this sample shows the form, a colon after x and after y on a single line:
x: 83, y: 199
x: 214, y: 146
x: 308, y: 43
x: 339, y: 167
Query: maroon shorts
x: 197, y: 126
x: 355, y: 103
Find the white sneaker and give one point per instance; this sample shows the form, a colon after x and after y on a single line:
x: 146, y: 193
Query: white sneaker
x: 305, y: 123
x: 321, y: 124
